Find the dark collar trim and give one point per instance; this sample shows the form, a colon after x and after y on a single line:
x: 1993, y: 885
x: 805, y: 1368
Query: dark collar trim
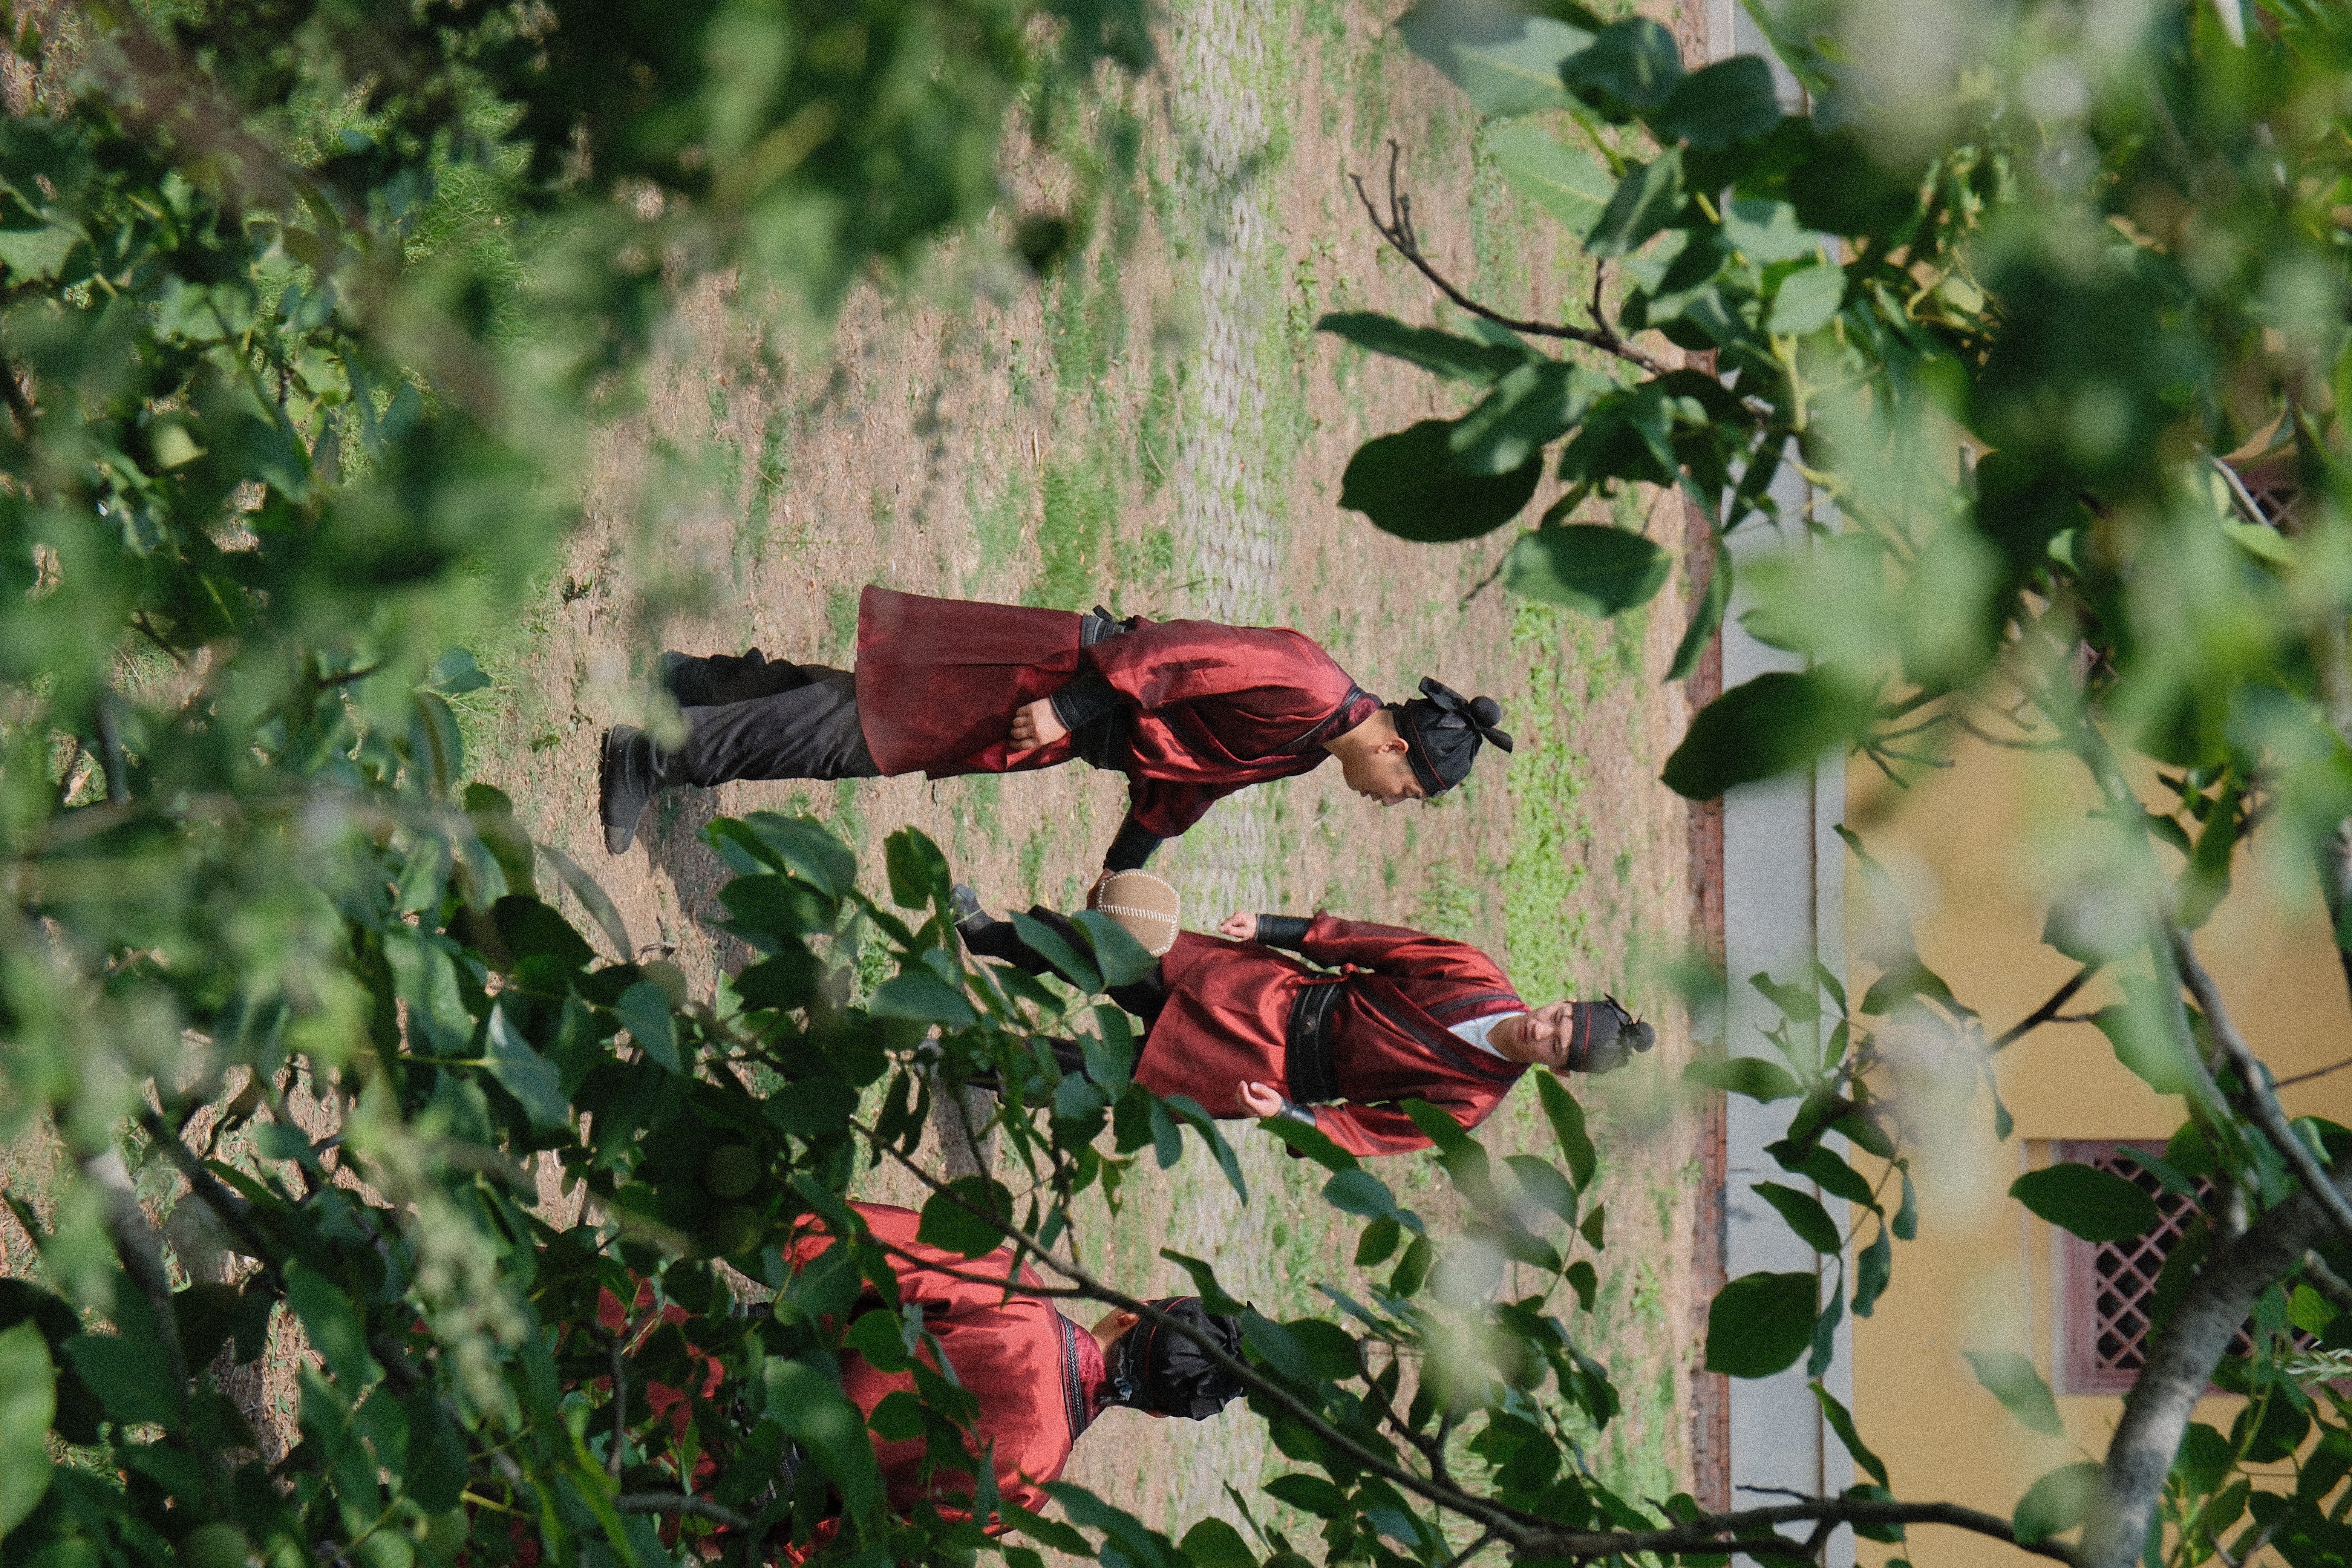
x: 1476, y: 999
x: 1444, y: 1044
x: 1077, y: 1400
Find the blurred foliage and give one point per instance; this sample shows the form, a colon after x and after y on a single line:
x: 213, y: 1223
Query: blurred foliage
x: 2040, y: 312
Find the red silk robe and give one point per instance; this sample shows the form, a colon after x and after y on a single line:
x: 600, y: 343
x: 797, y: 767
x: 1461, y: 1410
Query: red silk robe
x: 1034, y: 1372
x: 1213, y: 709
x: 1227, y: 1019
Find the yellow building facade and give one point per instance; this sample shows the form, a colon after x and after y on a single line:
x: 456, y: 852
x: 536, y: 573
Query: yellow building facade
x: 1984, y: 1275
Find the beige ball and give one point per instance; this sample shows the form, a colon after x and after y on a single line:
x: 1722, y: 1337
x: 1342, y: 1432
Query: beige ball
x: 1147, y: 906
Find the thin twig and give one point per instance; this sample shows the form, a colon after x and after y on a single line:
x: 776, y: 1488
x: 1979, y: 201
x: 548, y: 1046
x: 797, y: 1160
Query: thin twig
x: 230, y: 1209
x: 1725, y: 1531
x: 2315, y: 1072
x: 2262, y: 1105
x: 110, y: 751
x: 620, y: 1410
x: 20, y: 411
x: 1397, y: 230
x: 2048, y: 1012
x: 1471, y: 1551
x: 680, y: 1502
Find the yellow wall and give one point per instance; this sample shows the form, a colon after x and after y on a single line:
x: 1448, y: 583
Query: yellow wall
x: 1982, y: 1274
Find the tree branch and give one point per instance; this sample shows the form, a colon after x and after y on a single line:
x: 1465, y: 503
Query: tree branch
x: 2261, y: 1105
x: 2181, y: 1365
x: 678, y: 1502
x: 1397, y: 230
x: 2048, y: 1012
x: 230, y: 1209
x: 1725, y: 1530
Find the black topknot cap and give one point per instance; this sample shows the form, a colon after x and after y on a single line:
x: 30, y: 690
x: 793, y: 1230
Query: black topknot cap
x: 1442, y: 731
x: 1156, y: 1369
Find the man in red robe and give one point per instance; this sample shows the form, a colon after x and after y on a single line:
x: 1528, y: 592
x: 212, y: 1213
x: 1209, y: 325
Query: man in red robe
x: 1189, y: 710
x: 1391, y: 1015
x: 1039, y: 1379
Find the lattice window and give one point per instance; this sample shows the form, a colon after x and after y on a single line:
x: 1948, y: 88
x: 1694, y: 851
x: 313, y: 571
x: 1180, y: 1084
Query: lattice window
x: 2108, y: 1286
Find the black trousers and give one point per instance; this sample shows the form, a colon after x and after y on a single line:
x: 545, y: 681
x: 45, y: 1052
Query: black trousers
x: 1001, y: 940
x: 751, y: 719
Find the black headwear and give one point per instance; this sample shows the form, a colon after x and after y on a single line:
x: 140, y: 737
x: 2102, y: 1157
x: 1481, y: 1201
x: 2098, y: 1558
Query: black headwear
x: 1153, y: 1368
x: 1441, y: 730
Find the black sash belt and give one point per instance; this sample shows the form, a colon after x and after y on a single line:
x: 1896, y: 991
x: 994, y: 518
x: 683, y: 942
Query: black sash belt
x: 1307, y: 1056
x: 1102, y: 741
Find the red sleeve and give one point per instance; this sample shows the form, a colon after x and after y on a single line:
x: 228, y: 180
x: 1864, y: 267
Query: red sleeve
x: 1394, y: 949
x: 919, y: 1263
x: 1272, y: 670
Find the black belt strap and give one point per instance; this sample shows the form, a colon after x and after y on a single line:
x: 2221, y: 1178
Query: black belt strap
x: 1102, y: 741
x: 1307, y: 1057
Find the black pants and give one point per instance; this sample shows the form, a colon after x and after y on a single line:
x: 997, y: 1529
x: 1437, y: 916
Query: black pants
x: 749, y: 719
x: 1000, y: 939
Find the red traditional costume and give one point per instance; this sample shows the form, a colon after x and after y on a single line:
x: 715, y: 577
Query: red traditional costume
x: 1211, y: 709
x: 1229, y: 1017
x: 1036, y: 1373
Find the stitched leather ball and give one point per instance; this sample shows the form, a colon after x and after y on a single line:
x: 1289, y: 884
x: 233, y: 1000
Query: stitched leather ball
x: 1147, y: 907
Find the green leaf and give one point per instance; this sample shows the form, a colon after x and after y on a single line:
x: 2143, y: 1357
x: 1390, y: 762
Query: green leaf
x: 30, y: 254
x: 1754, y: 1077
x: 1122, y: 960
x: 2011, y: 1378
x: 28, y: 1403
x: 808, y: 850
x: 1599, y: 571
x: 1379, y: 1243
x: 531, y: 1078
x: 1808, y: 297
x: 1462, y: 359
x: 1706, y: 620
x: 2095, y: 1205
x: 1310, y: 1141
x: 1761, y: 1323
x: 1805, y: 1217
x: 955, y: 1220
x: 1728, y: 102
x: 127, y: 1374
x: 1361, y: 1193
x: 455, y: 673
x: 644, y: 1010
x: 1566, y: 182
x: 918, y: 872
x: 1277, y: 1347
x: 1311, y: 1494
x: 1840, y: 1421
x: 592, y: 895
x: 1633, y: 67
x: 919, y: 994
x: 1765, y: 231
x: 1213, y: 1543
x: 1536, y: 403
x: 827, y: 1426
x: 1776, y: 723
x: 1505, y: 60
x: 1823, y: 1168
x: 2059, y: 1501
x: 1542, y: 1182
x: 1645, y: 201
x: 1205, y: 1281
x: 335, y: 1327
x: 1076, y: 967
x: 1872, y: 1266
x: 1567, y: 1118
x: 1407, y: 484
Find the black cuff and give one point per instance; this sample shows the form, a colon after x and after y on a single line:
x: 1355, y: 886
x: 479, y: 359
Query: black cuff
x: 1131, y: 848
x: 1085, y: 700
x: 1284, y: 930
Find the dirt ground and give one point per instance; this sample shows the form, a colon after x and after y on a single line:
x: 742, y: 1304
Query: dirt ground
x: 1156, y: 426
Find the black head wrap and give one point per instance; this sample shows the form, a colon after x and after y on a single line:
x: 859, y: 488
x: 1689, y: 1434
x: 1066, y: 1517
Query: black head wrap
x: 1153, y: 1368
x: 1442, y: 728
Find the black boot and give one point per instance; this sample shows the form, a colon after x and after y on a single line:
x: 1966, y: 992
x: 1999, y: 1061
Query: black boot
x: 633, y: 767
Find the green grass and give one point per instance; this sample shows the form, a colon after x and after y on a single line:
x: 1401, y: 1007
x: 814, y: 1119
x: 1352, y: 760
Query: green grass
x: 1550, y: 952
x: 1079, y: 506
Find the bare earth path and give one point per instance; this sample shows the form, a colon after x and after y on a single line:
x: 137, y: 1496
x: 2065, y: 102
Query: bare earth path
x: 1158, y: 426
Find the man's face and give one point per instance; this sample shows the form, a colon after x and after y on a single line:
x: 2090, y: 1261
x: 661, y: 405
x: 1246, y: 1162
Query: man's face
x: 1543, y: 1037
x: 1383, y: 776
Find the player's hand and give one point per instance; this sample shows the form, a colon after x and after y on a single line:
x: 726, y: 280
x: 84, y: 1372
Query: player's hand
x: 1240, y: 927
x: 1260, y: 1100
x: 1035, y: 724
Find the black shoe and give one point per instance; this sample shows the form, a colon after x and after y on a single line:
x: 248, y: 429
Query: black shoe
x: 984, y: 936
x: 630, y: 773
x: 964, y: 905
